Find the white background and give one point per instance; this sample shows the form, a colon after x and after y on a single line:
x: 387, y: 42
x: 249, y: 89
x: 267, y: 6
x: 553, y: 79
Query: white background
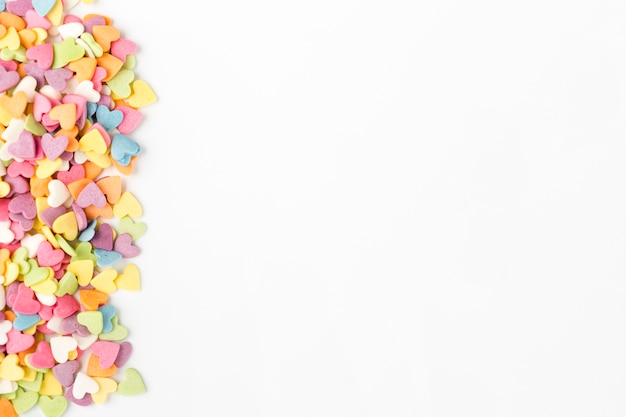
x: 378, y: 208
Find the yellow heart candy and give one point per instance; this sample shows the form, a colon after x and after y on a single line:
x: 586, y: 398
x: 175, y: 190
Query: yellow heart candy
x: 10, y: 369
x: 50, y: 385
x: 130, y: 279
x: 93, y: 141
x: 5, y: 189
x: 103, y: 161
x: 105, y: 281
x: 47, y: 286
x: 83, y: 270
x: 11, y: 39
x: 127, y: 205
x: 11, y: 272
x: 142, y: 94
x: 66, y: 225
x: 106, y: 386
x: 46, y: 167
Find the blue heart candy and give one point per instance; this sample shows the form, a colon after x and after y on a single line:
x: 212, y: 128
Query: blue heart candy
x: 123, y: 149
x: 109, y: 119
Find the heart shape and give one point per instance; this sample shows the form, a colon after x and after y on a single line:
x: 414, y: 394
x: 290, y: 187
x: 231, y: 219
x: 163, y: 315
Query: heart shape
x: 43, y: 7
x: 65, y: 372
x: 57, y: 77
x: 133, y: 383
x: 42, y: 357
x: 8, y: 79
x: 18, y: 341
x: 84, y: 384
x: 92, y: 320
x: 58, y: 194
x: 109, y: 119
x: 142, y: 94
x: 24, y: 301
x: 61, y: 347
x: 41, y: 54
x: 121, y: 83
x: 124, y: 245
x: 6, y: 407
x: 53, y: 147
x: 103, y: 237
x: 25, y: 147
x: 91, y: 195
x: 10, y: 368
x: 106, y: 386
x: 24, y: 400
x: 66, y: 52
x: 47, y: 255
x: 128, y: 205
x: 106, y: 352
x: 52, y: 406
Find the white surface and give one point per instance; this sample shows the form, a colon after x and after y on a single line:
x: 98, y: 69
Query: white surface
x: 379, y: 208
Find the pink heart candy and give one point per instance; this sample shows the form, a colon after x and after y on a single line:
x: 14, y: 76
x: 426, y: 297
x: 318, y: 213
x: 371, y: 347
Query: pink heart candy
x: 47, y: 255
x: 131, y: 119
x: 24, y: 147
x: 42, y: 54
x: 18, y: 341
x: 103, y: 238
x: 66, y: 305
x: 53, y: 147
x: 91, y: 195
x: 42, y: 357
x: 25, y: 301
x: 41, y: 106
x: 8, y: 79
x: 57, y: 77
x: 24, y: 204
x: 66, y: 372
x: 106, y: 352
x: 126, y: 348
x: 121, y: 48
x: 124, y: 245
x: 21, y: 168
x: 75, y: 172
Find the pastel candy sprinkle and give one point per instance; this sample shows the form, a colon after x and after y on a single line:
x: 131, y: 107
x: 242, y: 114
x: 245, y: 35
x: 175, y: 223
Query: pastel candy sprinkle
x: 70, y: 106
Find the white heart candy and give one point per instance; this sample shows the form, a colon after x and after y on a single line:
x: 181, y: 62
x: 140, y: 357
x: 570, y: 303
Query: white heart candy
x: 6, y: 234
x: 58, y: 193
x: 5, y: 327
x: 71, y: 30
x: 84, y: 384
x: 61, y: 347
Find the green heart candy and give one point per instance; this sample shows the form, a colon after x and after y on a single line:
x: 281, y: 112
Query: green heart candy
x: 52, y: 406
x: 34, y: 385
x: 84, y: 251
x: 135, y: 229
x: 36, y: 273
x: 66, y: 52
x: 118, y: 332
x: 64, y: 245
x: 120, y: 83
x: 68, y: 284
x: 33, y: 126
x: 132, y: 384
x: 92, y: 44
x: 24, y: 400
x: 9, y: 55
x: 92, y: 320
x: 20, y: 257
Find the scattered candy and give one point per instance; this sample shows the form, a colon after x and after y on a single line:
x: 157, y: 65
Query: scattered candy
x: 70, y: 101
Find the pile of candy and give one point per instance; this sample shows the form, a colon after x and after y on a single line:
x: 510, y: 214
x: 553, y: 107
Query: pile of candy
x: 69, y: 101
